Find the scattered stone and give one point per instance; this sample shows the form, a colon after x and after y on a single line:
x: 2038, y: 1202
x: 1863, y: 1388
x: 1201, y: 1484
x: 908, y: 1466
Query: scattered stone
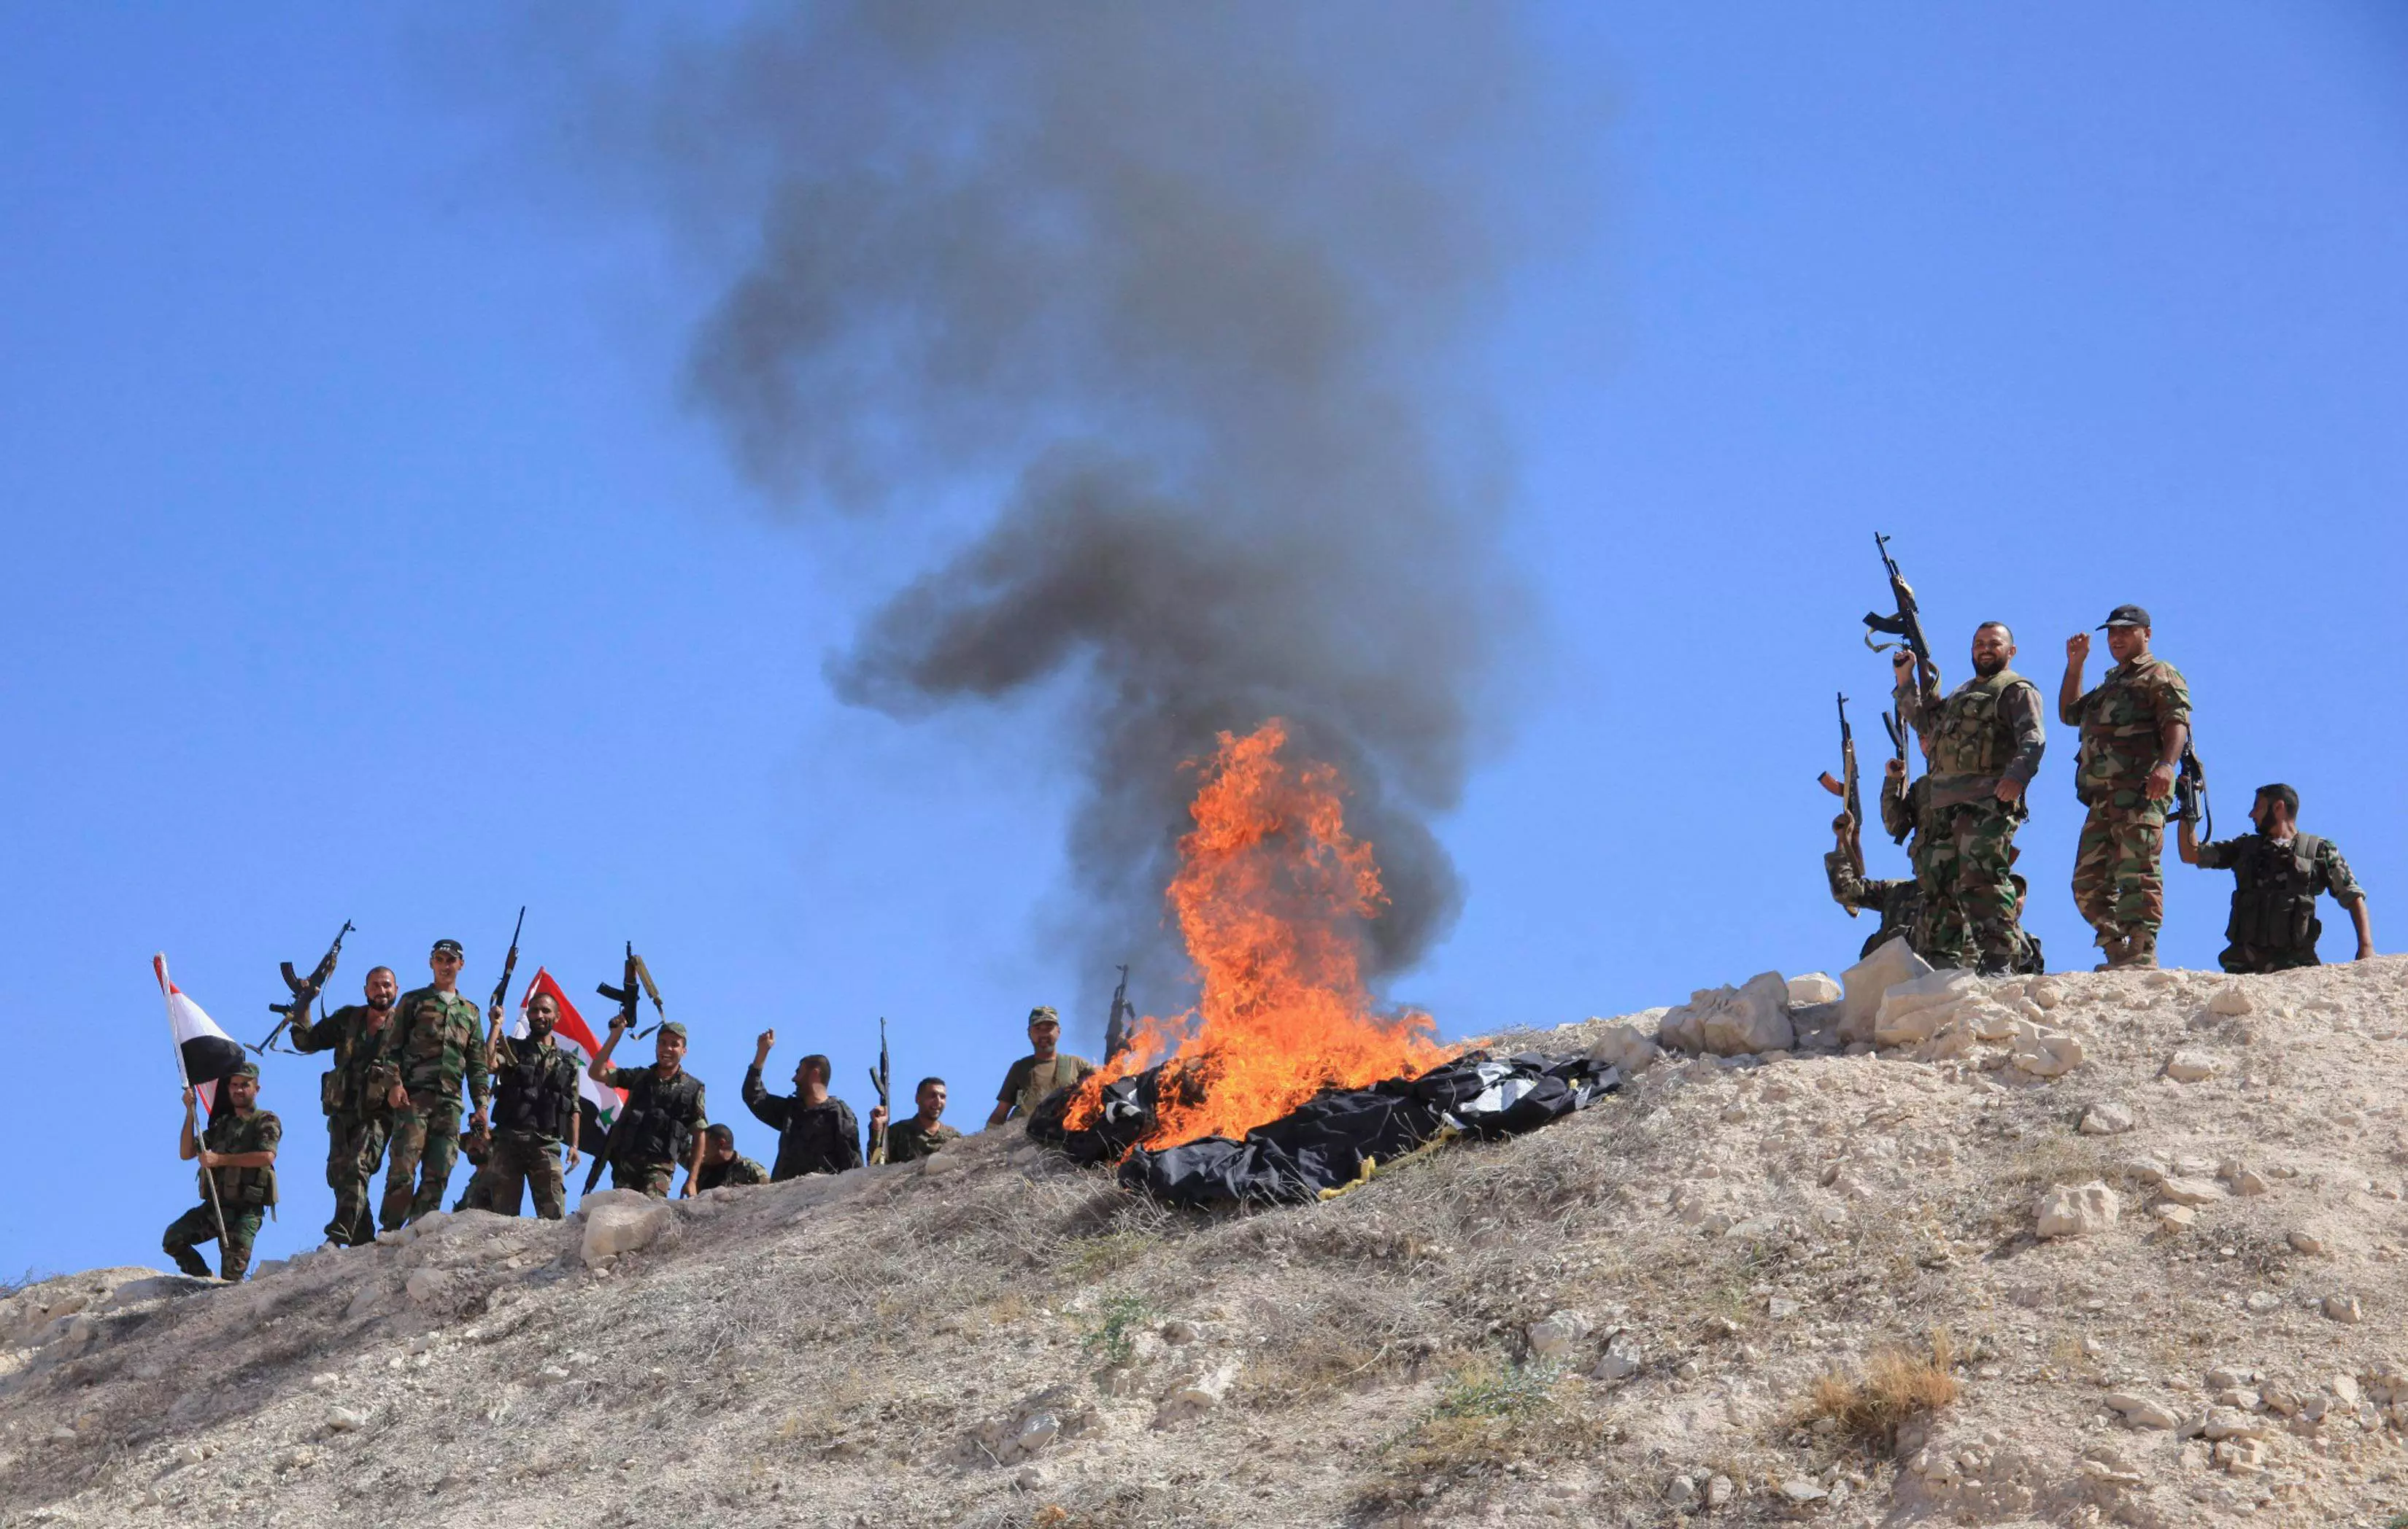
x: 2230, y: 1000
x: 2248, y: 1182
x: 1913, y: 1011
x: 1781, y: 1308
x: 1625, y: 1046
x: 2076, y: 1210
x: 426, y: 1287
x: 343, y: 1419
x: 1734, y: 1022
x: 2263, y: 1302
x: 2044, y: 1053
x: 1192, y: 1395
x: 1868, y: 979
x: 2190, y: 1191
x: 2173, y: 1214
x: 2242, y: 1457
x: 2345, y: 1387
x: 2343, y: 1309
x: 2140, y: 1411
x: 1622, y: 1358
x: 1801, y: 1491
x: 1814, y: 987
x: 2191, y: 1066
x: 2047, y: 993
x: 1030, y: 1479
x: 1552, y: 1334
x: 1720, y: 1491
x: 622, y: 1228
x: 1681, y: 1488
x: 2107, y: 1117
x: 2231, y: 1422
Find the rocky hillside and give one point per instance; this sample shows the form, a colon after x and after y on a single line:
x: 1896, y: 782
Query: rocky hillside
x: 2098, y: 1249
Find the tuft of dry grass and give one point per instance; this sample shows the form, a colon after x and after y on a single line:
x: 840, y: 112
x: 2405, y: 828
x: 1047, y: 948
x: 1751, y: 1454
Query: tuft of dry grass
x: 1899, y: 1386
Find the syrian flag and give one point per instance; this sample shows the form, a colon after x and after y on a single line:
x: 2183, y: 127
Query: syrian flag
x: 208, y: 1054
x: 572, y: 1035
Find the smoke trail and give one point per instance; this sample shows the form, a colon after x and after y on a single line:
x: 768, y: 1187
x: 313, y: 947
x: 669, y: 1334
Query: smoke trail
x: 1193, y: 283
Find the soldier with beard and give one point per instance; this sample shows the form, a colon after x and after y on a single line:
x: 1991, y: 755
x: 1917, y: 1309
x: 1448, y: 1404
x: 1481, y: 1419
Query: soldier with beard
x: 358, y: 1119
x: 534, y: 1110
x: 2278, y: 872
x: 1984, y: 742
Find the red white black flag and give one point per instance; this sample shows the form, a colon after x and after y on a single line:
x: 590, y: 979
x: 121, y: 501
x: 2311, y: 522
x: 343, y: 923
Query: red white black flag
x: 209, y: 1052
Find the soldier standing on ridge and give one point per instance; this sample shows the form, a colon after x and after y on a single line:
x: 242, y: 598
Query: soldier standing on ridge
x: 238, y: 1148
x: 534, y: 1110
x: 1045, y: 1069
x: 924, y: 1132
x: 664, y: 1102
x: 1899, y: 900
x: 816, y: 1133
x: 722, y: 1163
x: 358, y: 1119
x: 1985, y: 743
x: 2134, y: 728
x: 2278, y: 872
x: 432, y: 1045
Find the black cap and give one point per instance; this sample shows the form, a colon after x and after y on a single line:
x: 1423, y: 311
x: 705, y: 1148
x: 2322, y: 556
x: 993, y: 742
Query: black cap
x: 450, y: 945
x: 2125, y: 616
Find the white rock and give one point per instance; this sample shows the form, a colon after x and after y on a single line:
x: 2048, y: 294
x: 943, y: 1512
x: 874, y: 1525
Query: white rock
x: 342, y: 1419
x: 1622, y: 1356
x: 2242, y: 1457
x: 1734, y: 1022
x: 2140, y: 1411
x: 1866, y: 981
x: 2230, y: 1000
x: 427, y: 1286
x: 2173, y: 1215
x: 2304, y: 1242
x: 1814, y: 987
x: 1628, y: 1047
x: 1913, y: 1011
x: 2190, y: 1191
x: 2248, y: 1181
x: 1719, y: 1490
x: 2046, y: 992
x: 1799, y: 1490
x: 2344, y: 1387
x: 622, y: 1228
x: 1192, y: 1395
x: 2344, y: 1309
x: 2107, y: 1117
x: 2076, y: 1210
x: 937, y: 1162
x: 2231, y: 1422
x: 2191, y: 1066
x: 1552, y: 1334
x: 2046, y: 1053
x: 1781, y: 1308
x: 1039, y: 1430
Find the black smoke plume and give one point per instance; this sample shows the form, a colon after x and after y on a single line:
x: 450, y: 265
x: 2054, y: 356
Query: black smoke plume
x: 1192, y: 291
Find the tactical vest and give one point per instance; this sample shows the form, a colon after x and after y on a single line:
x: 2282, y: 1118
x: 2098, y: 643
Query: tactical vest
x: 525, y: 1097
x: 1971, y: 737
x: 653, y: 1129
x: 238, y: 1189
x: 2120, y: 732
x: 2275, y: 900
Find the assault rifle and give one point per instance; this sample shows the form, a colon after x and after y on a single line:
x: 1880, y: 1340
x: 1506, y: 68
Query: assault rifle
x: 877, y: 1080
x: 2190, y: 792
x: 1116, y: 1028
x: 305, y: 990
x: 495, y: 1047
x: 1896, y: 731
x: 635, y: 978
x: 1906, y: 626
x: 1850, y: 793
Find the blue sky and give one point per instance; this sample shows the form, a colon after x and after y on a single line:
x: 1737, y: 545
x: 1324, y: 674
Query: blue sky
x: 366, y: 566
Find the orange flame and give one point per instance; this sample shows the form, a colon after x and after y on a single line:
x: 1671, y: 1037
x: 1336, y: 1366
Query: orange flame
x: 1270, y: 896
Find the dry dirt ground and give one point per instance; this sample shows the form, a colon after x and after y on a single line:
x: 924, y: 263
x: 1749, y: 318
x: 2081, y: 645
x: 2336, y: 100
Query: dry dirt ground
x: 1010, y: 1340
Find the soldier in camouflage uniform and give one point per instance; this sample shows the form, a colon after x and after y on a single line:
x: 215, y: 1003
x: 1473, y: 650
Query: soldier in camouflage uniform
x: 2278, y: 872
x: 816, y: 1131
x: 924, y: 1132
x: 358, y: 1121
x: 1984, y: 742
x: 2134, y: 727
x: 722, y: 1163
x: 664, y: 1118
x: 1905, y: 814
x: 1044, y: 1070
x: 237, y: 1149
x: 431, y: 1047
x: 534, y: 1110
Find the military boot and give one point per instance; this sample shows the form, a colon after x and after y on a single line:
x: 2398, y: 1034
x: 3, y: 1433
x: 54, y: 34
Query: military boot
x: 2116, y: 949
x: 2140, y: 949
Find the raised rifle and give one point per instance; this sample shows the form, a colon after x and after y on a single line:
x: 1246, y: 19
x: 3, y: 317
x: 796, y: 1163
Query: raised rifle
x: 2190, y: 792
x: 877, y: 1080
x: 495, y: 1047
x: 305, y: 990
x: 1851, y: 792
x: 1116, y: 1028
x: 1906, y: 626
x: 634, y: 980
x: 1896, y: 731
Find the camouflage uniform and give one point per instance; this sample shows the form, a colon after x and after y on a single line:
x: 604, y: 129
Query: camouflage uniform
x: 907, y: 1141
x: 655, y: 1129
x: 739, y: 1169
x: 1898, y: 901
x: 1987, y: 731
x: 432, y: 1044
x: 1030, y: 1081
x: 358, y: 1122
x: 535, y: 1097
x: 2274, y: 925
x: 2117, y: 881
x: 244, y: 1196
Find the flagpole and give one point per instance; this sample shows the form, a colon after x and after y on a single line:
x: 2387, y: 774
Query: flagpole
x: 208, y: 1179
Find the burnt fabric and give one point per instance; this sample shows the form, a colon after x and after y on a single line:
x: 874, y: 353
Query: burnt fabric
x: 1325, y: 1143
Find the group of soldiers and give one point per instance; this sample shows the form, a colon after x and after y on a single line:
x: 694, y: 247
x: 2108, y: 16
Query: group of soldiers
x: 1981, y: 747
x: 401, y: 1061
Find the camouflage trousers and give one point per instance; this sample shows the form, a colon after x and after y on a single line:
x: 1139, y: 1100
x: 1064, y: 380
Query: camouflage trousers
x: 652, y: 1178
x: 1967, y: 869
x: 198, y: 1225
x: 2245, y: 959
x: 355, y: 1148
x: 426, y: 1144
x: 521, y: 1160
x: 2116, y: 883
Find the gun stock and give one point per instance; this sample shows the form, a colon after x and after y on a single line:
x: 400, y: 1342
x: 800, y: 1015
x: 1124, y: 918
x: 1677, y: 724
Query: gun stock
x: 1906, y: 625
x: 879, y: 1079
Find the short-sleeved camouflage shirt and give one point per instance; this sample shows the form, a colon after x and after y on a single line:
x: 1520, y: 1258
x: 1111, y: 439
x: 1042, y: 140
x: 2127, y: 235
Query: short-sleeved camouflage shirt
x: 2123, y: 723
x: 433, y: 1043
x: 2331, y: 873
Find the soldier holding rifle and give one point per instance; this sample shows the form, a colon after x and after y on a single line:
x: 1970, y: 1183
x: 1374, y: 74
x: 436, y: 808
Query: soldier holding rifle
x: 665, y: 1116
x: 359, y: 1118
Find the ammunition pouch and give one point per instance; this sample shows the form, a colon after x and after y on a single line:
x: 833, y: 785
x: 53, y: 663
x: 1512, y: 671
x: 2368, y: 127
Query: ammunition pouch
x: 2274, y: 904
